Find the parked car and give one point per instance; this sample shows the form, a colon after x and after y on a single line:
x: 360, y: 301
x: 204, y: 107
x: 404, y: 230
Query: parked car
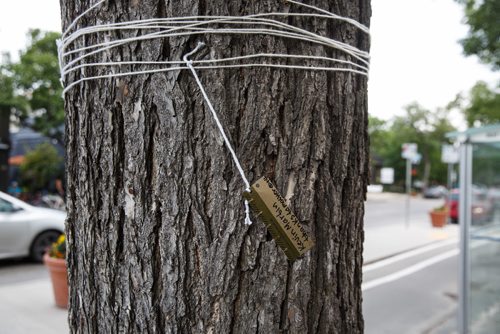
x: 435, y: 192
x: 26, y: 230
x: 494, y: 196
x: 482, y: 209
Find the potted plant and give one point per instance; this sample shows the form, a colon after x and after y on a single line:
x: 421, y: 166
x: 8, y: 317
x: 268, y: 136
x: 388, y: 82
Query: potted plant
x: 55, y: 261
x: 439, y: 216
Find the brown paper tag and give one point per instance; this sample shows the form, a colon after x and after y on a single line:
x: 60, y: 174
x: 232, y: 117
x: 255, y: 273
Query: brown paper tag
x: 270, y: 207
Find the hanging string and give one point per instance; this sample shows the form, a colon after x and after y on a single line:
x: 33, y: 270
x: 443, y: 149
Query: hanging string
x: 221, y: 128
x: 356, y: 61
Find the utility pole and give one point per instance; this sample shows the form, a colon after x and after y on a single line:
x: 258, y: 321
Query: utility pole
x: 409, y: 152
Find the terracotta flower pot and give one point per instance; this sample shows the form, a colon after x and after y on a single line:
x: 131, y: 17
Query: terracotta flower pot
x: 59, y: 277
x: 438, y: 218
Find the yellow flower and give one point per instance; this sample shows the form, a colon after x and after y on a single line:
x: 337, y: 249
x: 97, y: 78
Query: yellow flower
x: 61, y: 239
x: 58, y: 249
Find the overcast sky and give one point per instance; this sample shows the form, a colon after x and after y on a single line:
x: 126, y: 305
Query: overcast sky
x: 415, y: 55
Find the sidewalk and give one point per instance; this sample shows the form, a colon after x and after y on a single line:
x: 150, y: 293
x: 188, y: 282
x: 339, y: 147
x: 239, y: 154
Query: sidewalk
x: 385, y: 241
x: 395, y: 235
x: 28, y: 307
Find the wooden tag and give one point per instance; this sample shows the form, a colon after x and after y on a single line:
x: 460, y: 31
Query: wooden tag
x: 270, y: 207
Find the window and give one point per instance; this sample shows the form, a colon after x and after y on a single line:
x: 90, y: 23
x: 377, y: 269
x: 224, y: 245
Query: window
x: 6, y: 206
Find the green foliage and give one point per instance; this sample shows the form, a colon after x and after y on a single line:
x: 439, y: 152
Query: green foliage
x: 7, y: 99
x: 483, y: 107
x: 425, y: 128
x: 378, y: 133
x: 34, y: 80
x: 40, y: 167
x: 441, y: 208
x: 483, y: 38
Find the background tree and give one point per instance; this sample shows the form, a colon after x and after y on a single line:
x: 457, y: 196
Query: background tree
x: 7, y: 102
x: 41, y: 167
x: 483, y: 40
x: 418, y: 125
x: 378, y: 133
x: 30, y: 93
x: 8, y: 99
x: 36, y: 81
x: 483, y: 105
x: 377, y: 129
x: 413, y: 127
x: 484, y: 31
x: 155, y: 217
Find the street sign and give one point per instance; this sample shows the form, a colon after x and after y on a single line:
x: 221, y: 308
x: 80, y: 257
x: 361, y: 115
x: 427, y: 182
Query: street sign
x: 387, y: 175
x: 415, y: 160
x: 449, y: 154
x: 408, y: 150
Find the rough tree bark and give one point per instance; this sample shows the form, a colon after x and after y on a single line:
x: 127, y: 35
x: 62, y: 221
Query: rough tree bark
x: 155, y: 226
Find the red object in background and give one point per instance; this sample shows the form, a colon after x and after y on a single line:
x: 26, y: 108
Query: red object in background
x: 413, y: 172
x: 453, y: 206
x: 481, y: 207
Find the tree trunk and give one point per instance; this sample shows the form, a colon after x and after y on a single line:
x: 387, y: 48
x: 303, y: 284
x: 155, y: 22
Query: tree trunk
x: 155, y: 226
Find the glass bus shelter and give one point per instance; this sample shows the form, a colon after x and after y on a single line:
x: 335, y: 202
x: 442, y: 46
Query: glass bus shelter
x: 479, y: 219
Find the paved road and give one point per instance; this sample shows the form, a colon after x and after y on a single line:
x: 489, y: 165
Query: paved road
x: 386, y: 231
x: 416, y: 291
x: 19, y: 270
x: 413, y: 295
x: 389, y: 209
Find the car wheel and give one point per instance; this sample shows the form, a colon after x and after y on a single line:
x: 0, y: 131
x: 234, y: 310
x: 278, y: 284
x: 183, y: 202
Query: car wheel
x: 41, y: 243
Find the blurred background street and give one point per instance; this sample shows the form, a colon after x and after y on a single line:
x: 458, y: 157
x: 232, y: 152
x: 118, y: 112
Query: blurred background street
x: 418, y: 110
x: 410, y: 276
x: 410, y: 272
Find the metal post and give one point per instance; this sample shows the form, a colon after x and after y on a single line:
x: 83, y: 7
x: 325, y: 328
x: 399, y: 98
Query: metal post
x: 408, y: 190
x: 449, y: 185
x: 450, y: 172
x: 464, y: 220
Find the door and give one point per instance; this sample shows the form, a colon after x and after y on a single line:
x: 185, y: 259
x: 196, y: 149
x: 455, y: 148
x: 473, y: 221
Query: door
x: 14, y: 230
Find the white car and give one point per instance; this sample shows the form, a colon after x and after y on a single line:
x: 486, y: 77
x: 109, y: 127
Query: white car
x: 26, y: 230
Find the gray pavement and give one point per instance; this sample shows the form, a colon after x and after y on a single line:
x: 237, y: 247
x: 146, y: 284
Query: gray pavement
x: 383, y: 209
x: 387, y: 233
x: 424, y: 302
x: 27, y: 306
